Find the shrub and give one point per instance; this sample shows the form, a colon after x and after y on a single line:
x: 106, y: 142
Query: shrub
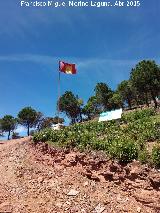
x: 143, y: 156
x: 123, y: 142
x: 15, y: 135
x: 156, y: 155
x: 43, y: 136
x: 125, y: 150
x: 138, y: 114
x: 100, y: 144
x: 144, y: 129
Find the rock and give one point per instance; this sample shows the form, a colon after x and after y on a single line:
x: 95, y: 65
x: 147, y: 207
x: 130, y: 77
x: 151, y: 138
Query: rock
x: 134, y: 170
x: 74, y: 209
x: 121, y: 177
x: 119, y: 199
x: 107, y: 175
x: 85, y: 183
x: 5, y: 207
x: 59, y: 205
x: 127, y: 170
x: 155, y: 181
x: 87, y: 174
x: 134, y: 174
x: 99, y: 209
x: 139, y: 209
x: 73, y: 192
x: 93, y: 183
x: 40, y: 179
x: 70, y: 160
x: 91, y: 176
x: 83, y: 211
x: 95, y: 178
x: 114, y: 167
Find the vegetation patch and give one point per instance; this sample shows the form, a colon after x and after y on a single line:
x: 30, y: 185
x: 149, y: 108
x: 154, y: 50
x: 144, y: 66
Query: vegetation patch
x: 122, y: 140
x: 156, y: 155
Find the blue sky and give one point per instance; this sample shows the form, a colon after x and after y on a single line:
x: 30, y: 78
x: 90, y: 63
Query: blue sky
x: 105, y: 43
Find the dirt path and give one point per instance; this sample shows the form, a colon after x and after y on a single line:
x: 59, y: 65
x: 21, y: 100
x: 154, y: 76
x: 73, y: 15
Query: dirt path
x: 32, y: 182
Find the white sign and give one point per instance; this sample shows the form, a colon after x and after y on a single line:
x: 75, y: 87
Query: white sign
x: 57, y: 126
x: 110, y: 115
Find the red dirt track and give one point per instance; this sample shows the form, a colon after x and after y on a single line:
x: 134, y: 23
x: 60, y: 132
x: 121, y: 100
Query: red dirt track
x: 34, y: 179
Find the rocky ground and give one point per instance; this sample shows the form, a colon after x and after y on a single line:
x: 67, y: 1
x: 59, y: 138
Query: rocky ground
x: 39, y: 179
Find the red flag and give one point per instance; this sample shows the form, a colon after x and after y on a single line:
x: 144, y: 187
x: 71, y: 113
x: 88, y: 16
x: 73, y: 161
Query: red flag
x: 67, y: 68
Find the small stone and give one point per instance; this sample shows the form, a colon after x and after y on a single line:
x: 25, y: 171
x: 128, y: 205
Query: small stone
x: 40, y: 179
x: 93, y: 183
x: 59, y: 205
x: 74, y: 209
x: 85, y: 183
x: 119, y: 198
x: 139, y: 209
x: 73, y: 192
x: 99, y: 209
x: 68, y: 203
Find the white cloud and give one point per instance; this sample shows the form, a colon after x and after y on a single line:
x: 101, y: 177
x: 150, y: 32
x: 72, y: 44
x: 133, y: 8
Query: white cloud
x: 21, y: 129
x: 83, y: 64
x: 28, y: 58
x: 49, y: 59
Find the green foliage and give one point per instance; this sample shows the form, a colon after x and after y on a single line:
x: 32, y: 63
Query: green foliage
x: 28, y: 117
x: 123, y: 149
x: 92, y: 108
x: 8, y: 124
x: 146, y: 79
x: 156, y: 155
x: 70, y: 105
x: 126, y: 91
x: 124, y: 142
x: 143, y: 156
x: 115, y: 102
x: 144, y: 129
x: 103, y: 93
x: 138, y: 114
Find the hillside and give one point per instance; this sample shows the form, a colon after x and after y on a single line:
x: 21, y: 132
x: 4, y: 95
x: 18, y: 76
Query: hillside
x: 40, y: 179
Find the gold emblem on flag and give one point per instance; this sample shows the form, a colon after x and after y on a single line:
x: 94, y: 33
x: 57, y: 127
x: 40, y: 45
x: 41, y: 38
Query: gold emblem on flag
x: 69, y: 69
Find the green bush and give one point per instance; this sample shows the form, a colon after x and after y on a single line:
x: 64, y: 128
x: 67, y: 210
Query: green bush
x: 138, y: 114
x: 123, y: 142
x: 156, y: 155
x: 144, y: 129
x: 143, y: 156
x: 125, y: 150
x: 100, y: 144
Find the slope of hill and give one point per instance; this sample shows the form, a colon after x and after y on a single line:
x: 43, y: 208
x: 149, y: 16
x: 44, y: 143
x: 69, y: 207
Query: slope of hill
x: 41, y: 179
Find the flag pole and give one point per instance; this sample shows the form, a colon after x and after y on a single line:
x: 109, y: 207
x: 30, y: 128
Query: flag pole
x: 59, y: 78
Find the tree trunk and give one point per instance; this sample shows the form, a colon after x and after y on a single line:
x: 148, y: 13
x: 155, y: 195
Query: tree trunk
x: 155, y: 102
x: 129, y: 103
x: 81, y: 119
x: 146, y: 100
x: 28, y: 130
x: 89, y: 117
x: 154, y: 98
x: 9, y: 133
x: 147, y: 103
x: 73, y: 120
